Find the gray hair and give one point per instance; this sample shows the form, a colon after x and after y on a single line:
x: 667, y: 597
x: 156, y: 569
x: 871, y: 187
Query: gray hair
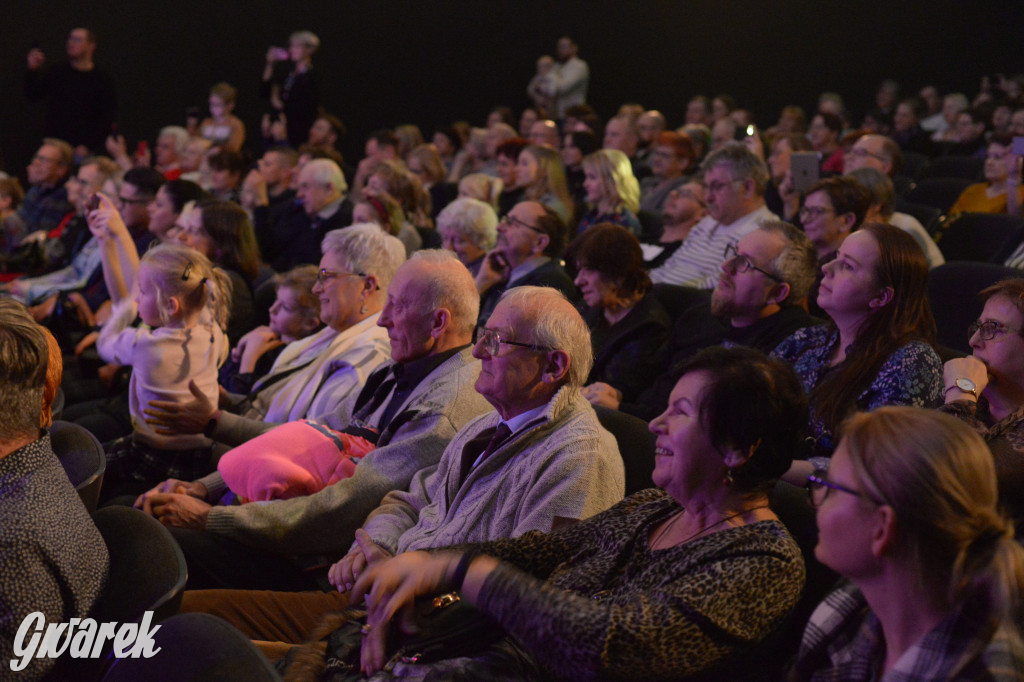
x: 451, y: 286
x: 179, y: 134
x: 880, y: 186
x: 24, y: 356
x: 555, y: 323
x: 364, y: 248
x: 742, y: 164
x: 796, y: 264
x: 326, y: 172
x: 472, y: 219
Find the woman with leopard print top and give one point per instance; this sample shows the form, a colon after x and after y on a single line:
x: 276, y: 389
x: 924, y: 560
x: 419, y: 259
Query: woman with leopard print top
x: 669, y: 583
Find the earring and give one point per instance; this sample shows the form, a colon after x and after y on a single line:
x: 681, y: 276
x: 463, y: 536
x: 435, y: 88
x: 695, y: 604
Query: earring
x: 362, y: 311
x: 727, y: 480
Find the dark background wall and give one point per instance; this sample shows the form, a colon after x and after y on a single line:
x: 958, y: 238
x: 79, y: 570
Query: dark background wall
x: 387, y: 62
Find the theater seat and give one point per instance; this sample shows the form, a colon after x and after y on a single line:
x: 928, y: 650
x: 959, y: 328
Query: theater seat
x: 940, y: 193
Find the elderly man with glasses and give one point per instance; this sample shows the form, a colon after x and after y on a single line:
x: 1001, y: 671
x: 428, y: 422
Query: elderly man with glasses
x: 531, y: 239
x: 538, y: 461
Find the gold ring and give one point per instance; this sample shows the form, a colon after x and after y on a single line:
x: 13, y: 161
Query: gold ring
x: 365, y: 630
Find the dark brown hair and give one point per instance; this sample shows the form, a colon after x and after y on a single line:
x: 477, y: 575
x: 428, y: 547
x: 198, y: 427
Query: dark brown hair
x: 907, y: 317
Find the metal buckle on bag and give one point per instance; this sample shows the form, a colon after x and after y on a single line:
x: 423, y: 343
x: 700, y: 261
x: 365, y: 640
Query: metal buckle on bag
x: 445, y: 600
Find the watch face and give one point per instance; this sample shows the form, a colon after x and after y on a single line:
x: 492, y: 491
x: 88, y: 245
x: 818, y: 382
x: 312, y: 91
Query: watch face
x: 966, y: 385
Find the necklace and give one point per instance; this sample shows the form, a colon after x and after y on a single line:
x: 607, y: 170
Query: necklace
x: 678, y: 516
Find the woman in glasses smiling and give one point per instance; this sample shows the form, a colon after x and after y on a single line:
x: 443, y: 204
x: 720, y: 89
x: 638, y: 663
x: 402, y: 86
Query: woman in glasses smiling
x: 986, y: 389
x: 908, y: 512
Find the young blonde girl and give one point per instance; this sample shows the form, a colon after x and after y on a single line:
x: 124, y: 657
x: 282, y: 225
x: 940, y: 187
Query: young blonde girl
x: 183, y: 302
x: 612, y: 191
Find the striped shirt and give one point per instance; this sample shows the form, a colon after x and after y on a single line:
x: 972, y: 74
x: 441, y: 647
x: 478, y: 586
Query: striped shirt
x: 696, y: 262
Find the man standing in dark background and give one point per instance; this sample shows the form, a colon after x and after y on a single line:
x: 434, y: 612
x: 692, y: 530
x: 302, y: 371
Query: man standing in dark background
x: 80, y: 98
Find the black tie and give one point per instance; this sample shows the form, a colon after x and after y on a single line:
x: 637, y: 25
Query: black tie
x: 486, y: 442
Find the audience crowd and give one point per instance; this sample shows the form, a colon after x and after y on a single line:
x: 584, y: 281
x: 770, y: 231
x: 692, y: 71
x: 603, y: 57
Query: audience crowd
x: 433, y: 372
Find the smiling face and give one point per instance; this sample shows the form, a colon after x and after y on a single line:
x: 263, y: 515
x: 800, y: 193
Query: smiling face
x: 849, y: 289
x: 193, y: 234
x: 684, y: 459
x: 340, y: 296
x: 1003, y: 354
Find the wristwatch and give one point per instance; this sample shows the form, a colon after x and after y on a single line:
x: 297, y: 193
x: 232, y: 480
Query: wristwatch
x: 965, y: 385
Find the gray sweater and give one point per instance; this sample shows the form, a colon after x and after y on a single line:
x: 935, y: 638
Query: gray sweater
x: 561, y: 465
x: 325, y: 523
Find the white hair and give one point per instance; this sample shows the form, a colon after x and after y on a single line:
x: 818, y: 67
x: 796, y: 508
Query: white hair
x: 449, y: 285
x: 553, y: 322
x: 179, y: 134
x: 326, y: 172
x: 472, y: 219
x: 365, y: 249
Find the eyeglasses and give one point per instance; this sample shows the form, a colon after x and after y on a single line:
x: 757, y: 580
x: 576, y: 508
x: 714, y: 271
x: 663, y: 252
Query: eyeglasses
x: 490, y: 340
x: 686, y: 194
x: 860, y: 152
x: 814, y: 212
x: 126, y: 200
x: 325, y: 274
x: 716, y: 187
x: 42, y: 159
x: 509, y: 220
x: 819, y: 487
x: 989, y: 329
x: 741, y: 263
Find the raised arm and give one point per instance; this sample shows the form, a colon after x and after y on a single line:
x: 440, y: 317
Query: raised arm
x: 119, y: 255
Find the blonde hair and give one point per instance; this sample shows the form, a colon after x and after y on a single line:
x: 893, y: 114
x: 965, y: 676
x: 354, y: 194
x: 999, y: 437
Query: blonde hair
x: 616, y: 175
x: 939, y: 477
x: 482, y: 188
x: 551, y: 175
x: 183, y: 273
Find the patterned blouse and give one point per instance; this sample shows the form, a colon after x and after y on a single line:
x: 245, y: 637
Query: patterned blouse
x: 912, y: 375
x: 620, y: 216
x: 612, y: 608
